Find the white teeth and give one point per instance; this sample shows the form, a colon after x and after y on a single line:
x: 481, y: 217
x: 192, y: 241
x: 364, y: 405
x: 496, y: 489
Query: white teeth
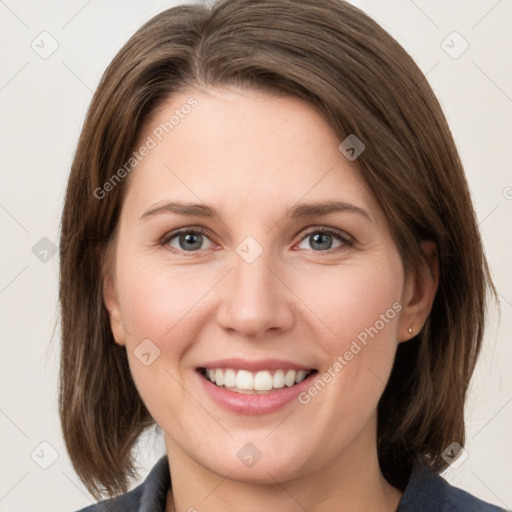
x: 278, y: 379
x: 230, y: 378
x: 289, y: 380
x: 243, y: 381
x: 263, y: 381
x: 301, y: 375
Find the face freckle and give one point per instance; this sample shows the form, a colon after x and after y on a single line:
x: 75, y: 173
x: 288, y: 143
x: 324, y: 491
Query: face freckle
x: 294, y: 265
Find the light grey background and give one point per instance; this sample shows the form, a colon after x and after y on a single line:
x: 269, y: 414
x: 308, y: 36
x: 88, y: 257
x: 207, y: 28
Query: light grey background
x: 42, y: 105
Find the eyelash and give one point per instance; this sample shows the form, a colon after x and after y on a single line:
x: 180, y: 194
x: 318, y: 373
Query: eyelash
x: 340, y: 235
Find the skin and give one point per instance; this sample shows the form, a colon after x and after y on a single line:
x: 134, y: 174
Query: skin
x: 252, y: 157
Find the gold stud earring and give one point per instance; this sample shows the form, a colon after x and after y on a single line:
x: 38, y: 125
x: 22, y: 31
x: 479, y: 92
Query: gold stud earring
x: 410, y: 330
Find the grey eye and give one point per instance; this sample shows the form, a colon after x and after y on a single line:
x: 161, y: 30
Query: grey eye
x: 323, y: 240
x: 188, y: 241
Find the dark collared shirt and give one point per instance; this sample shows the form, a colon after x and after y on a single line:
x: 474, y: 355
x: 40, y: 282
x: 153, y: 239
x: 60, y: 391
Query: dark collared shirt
x: 425, y: 492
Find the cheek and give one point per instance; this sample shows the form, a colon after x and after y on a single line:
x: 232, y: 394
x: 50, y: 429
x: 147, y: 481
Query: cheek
x: 160, y: 308
x: 361, y: 310
x: 356, y: 299
x: 162, y: 305
x: 157, y: 301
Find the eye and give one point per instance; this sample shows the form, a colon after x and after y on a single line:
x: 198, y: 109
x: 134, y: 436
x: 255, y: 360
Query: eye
x: 321, y: 239
x: 188, y: 240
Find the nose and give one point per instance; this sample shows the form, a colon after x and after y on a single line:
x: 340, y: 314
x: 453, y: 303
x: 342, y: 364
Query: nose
x: 255, y: 300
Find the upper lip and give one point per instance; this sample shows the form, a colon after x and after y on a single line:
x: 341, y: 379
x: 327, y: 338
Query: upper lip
x: 256, y: 365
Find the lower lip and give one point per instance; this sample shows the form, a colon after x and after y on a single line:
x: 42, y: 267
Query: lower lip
x: 265, y: 403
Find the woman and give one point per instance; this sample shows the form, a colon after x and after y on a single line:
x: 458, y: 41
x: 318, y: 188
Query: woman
x: 269, y: 250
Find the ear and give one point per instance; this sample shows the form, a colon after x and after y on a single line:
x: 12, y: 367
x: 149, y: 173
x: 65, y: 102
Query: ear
x: 419, y: 293
x: 114, y: 311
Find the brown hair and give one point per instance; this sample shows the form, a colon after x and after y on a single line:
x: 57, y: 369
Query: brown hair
x: 333, y: 56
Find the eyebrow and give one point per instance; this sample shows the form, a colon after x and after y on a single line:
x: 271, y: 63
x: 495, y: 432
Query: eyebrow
x: 300, y: 210
x: 317, y: 209
x: 189, y: 209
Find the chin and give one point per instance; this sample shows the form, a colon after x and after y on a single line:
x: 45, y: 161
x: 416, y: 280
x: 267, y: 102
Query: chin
x: 258, y: 462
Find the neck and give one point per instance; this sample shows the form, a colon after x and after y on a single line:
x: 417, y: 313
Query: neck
x: 351, y: 481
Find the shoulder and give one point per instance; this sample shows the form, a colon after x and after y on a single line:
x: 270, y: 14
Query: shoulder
x: 149, y: 496
x: 428, y: 491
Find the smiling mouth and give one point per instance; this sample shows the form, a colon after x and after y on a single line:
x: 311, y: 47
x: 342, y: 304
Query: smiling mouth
x: 251, y: 383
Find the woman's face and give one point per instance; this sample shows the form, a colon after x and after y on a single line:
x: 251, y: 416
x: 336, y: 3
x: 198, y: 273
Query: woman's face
x: 294, y: 269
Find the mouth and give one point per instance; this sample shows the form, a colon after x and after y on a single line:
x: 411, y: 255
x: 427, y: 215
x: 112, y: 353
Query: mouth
x: 255, y: 383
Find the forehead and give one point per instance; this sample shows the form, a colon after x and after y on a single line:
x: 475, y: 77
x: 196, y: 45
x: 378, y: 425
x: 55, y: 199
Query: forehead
x: 242, y: 150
